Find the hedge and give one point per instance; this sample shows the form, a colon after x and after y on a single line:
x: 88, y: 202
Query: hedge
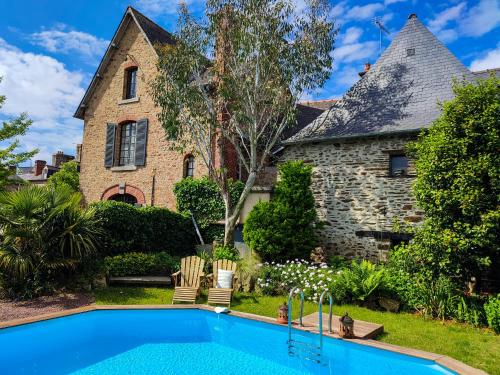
x: 127, y: 228
x: 141, y: 264
x: 202, y: 198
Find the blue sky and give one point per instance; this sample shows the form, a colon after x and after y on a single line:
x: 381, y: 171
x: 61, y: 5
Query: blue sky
x: 50, y: 49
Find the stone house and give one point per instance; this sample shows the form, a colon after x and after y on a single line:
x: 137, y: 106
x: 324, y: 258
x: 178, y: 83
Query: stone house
x: 362, y: 177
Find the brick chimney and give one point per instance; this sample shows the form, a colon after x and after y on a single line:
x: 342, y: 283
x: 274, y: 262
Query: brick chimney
x: 39, y: 165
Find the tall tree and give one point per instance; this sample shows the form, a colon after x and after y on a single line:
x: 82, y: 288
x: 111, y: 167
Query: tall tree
x: 8, y: 133
x: 267, y: 53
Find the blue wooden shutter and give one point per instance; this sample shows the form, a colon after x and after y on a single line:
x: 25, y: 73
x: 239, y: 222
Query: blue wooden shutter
x: 141, y: 141
x: 109, y: 153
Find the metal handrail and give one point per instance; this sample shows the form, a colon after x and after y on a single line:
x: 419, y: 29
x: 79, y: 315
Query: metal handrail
x: 290, y: 300
x: 320, y: 316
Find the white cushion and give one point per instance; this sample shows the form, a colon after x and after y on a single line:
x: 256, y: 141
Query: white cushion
x: 224, y: 278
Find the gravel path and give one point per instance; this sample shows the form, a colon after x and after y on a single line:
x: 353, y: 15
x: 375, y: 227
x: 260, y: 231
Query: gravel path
x: 10, y: 310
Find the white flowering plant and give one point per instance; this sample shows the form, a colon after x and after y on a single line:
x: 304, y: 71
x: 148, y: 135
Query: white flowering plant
x: 312, y: 278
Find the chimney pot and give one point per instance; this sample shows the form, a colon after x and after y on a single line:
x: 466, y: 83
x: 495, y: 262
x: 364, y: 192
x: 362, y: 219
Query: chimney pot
x: 367, y: 67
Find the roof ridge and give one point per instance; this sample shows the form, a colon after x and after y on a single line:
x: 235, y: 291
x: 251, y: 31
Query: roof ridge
x: 485, y: 70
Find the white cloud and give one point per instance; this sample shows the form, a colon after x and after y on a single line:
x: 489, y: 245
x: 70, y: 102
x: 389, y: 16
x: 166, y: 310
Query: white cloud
x: 355, y: 51
x: 43, y: 87
x: 63, y: 40
x: 352, y: 35
x: 389, y: 2
x: 364, y: 12
x: 459, y: 20
x: 165, y: 7
x: 448, y: 15
x: 489, y: 60
x: 481, y: 18
x: 347, y: 76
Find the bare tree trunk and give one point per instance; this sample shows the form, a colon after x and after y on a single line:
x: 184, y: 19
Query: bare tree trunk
x: 232, y: 216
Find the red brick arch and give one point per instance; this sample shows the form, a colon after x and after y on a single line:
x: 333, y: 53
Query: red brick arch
x: 132, y: 190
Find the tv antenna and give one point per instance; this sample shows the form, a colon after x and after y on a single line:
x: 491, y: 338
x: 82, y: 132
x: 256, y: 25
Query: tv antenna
x: 382, y: 29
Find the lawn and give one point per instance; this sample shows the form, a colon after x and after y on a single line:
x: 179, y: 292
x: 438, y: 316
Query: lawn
x: 477, y: 347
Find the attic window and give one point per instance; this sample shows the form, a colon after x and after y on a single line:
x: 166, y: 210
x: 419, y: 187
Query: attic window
x: 410, y: 52
x: 130, y: 83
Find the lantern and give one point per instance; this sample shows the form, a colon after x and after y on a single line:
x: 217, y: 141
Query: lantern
x: 283, y: 314
x: 346, y: 327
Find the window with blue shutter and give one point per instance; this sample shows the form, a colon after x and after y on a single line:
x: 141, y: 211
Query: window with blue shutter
x: 141, y: 142
x: 109, y: 152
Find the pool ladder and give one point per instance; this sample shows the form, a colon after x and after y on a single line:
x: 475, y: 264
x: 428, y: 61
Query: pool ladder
x: 301, y: 349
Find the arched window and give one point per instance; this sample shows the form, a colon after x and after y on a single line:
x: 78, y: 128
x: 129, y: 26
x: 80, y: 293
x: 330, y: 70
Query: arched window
x: 125, y: 198
x: 189, y: 166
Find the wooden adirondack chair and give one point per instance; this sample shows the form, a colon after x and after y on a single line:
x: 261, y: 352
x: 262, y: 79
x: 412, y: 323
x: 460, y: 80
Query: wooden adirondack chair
x: 221, y: 296
x: 187, y: 280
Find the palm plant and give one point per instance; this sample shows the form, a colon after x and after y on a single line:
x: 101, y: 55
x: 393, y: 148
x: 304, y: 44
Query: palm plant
x: 43, y: 232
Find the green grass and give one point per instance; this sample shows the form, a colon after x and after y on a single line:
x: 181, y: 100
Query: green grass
x: 477, y: 347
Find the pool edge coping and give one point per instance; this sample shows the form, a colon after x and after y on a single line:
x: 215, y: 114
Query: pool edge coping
x: 442, y: 360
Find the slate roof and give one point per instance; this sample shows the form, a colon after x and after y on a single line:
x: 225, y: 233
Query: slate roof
x: 398, y: 94
x: 153, y: 33
x: 483, y: 74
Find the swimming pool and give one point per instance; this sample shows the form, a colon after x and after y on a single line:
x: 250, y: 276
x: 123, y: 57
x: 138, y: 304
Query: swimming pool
x: 183, y: 341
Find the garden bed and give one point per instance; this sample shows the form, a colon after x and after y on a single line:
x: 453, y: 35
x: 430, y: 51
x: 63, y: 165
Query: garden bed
x: 10, y: 310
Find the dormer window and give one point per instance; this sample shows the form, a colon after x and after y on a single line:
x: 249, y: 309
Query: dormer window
x: 130, y: 83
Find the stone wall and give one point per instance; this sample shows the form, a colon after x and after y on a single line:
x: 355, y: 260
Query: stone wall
x: 163, y: 167
x: 355, y: 195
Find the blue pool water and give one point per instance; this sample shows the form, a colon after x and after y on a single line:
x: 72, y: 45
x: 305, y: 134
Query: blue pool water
x: 182, y: 342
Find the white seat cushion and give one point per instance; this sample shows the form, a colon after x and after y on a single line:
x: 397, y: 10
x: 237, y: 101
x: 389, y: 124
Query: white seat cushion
x: 224, y: 279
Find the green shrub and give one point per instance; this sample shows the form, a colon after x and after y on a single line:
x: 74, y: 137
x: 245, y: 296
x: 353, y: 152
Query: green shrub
x: 45, y: 236
x: 458, y: 187
x: 492, y: 309
x: 437, y: 298
x: 141, y: 264
x: 470, y: 309
x: 147, y: 229
x: 226, y: 252
x: 284, y: 228
x: 362, y: 280
x: 68, y: 176
x: 202, y: 198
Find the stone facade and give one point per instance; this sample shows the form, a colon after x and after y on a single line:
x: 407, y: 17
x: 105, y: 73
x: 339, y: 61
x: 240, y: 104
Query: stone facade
x: 151, y: 184
x: 355, y: 195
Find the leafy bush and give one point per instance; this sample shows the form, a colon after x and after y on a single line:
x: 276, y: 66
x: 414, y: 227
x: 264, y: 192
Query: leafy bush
x: 147, y: 229
x: 202, y: 198
x: 226, y: 252
x: 141, y: 264
x: 284, y: 228
x: 45, y: 235
x: 362, y: 280
x: 67, y: 176
x: 492, y: 309
x: 437, y: 299
x: 470, y: 309
x: 458, y: 188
